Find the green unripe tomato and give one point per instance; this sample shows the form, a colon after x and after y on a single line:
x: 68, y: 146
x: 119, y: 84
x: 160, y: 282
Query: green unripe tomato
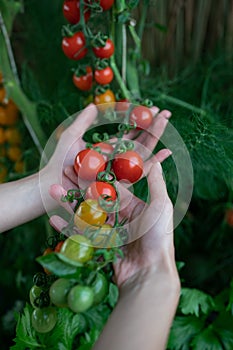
x: 80, y: 298
x: 34, y: 295
x: 100, y: 288
x: 44, y: 320
x: 58, y: 292
x: 78, y: 248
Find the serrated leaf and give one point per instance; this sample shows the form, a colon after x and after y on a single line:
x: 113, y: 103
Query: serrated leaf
x: 113, y: 295
x: 25, y: 334
x: 193, y: 301
x: 97, y: 316
x: 53, y: 263
x: 182, y: 332
x: 226, y: 338
x: 206, y: 340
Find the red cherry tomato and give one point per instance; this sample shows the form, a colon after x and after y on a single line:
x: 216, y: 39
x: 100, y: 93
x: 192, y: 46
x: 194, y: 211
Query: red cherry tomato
x: 128, y: 166
x: 74, y: 46
x: 122, y: 105
x: 58, y: 246
x: 105, y: 148
x: 229, y: 217
x: 142, y: 116
x: 71, y: 11
x: 106, y: 4
x: 104, y: 76
x: 106, y: 51
x: 88, y: 163
x: 84, y: 82
x: 105, y: 100
x: 100, y: 188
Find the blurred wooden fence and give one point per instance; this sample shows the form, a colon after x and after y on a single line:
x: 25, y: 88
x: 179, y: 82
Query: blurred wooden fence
x: 180, y: 31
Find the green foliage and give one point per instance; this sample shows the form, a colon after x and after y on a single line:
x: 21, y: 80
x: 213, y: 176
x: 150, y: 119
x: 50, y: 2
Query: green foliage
x: 194, y: 301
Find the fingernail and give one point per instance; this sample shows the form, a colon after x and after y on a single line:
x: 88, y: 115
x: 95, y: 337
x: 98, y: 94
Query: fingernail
x: 167, y: 114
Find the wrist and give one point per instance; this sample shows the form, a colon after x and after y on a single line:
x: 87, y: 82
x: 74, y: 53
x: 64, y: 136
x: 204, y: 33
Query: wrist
x: 46, y: 178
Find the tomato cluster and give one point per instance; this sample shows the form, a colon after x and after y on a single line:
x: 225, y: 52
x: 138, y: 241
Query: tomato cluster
x: 10, y: 137
x: 77, y: 44
x: 87, y: 290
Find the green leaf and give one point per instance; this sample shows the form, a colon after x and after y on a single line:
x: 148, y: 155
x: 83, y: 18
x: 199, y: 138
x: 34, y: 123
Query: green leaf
x: 226, y: 338
x: 230, y: 304
x: 113, y: 294
x: 182, y: 332
x: 66, y: 329
x: 25, y: 334
x: 97, y: 316
x: 60, y: 268
x: 193, y: 301
x: 206, y: 340
x: 132, y: 4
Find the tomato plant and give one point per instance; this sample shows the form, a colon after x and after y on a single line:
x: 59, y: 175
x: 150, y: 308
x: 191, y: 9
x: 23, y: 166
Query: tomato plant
x: 100, y: 288
x: 142, y: 116
x: 44, y: 320
x: 105, y: 51
x: 34, y: 294
x: 80, y: 298
x: 104, y: 76
x: 88, y: 163
x: 74, y: 46
x: 89, y: 213
x: 58, y: 292
x: 100, y: 188
x: 71, y: 11
x: 105, y: 100
x: 77, y: 248
x: 83, y: 82
x: 128, y: 166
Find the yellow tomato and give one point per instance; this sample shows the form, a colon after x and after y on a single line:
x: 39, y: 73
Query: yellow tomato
x: 89, y: 214
x: 14, y: 153
x: 13, y: 136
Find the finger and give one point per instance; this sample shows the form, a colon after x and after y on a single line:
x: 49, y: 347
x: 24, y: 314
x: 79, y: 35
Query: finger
x: 57, y: 223
x: 57, y: 192
x: 70, y: 173
x: 150, y: 137
x: 157, y: 186
x: 158, y: 157
x: 82, y: 122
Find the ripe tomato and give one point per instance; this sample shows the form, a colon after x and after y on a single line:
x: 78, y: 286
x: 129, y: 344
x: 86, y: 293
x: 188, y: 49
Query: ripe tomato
x: 71, y: 11
x: 229, y: 217
x: 142, y: 116
x: 9, y: 114
x: 100, y: 288
x: 58, y: 292
x: 46, y: 252
x: 80, y: 298
x: 106, y: 4
x: 100, y: 188
x: 14, y: 153
x: 74, y: 46
x: 105, y: 100
x: 77, y: 248
x: 84, y: 82
x: 122, y: 105
x: 44, y: 320
x: 106, y: 51
x: 58, y: 246
x: 13, y: 136
x: 128, y: 166
x: 2, y: 94
x: 104, y: 76
x: 89, y: 213
x: 2, y: 136
x: 88, y: 163
x: 105, y: 148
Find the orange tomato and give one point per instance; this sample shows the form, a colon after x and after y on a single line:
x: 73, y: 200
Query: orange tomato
x: 105, y: 100
x: 19, y: 166
x: 14, y: 153
x: 1, y: 78
x: 2, y: 94
x: 2, y: 136
x: 2, y: 151
x: 46, y: 252
x: 13, y: 136
x: 12, y: 113
x: 3, y: 116
x: 3, y: 172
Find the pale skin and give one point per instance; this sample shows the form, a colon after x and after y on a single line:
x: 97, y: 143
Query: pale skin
x: 147, y: 276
